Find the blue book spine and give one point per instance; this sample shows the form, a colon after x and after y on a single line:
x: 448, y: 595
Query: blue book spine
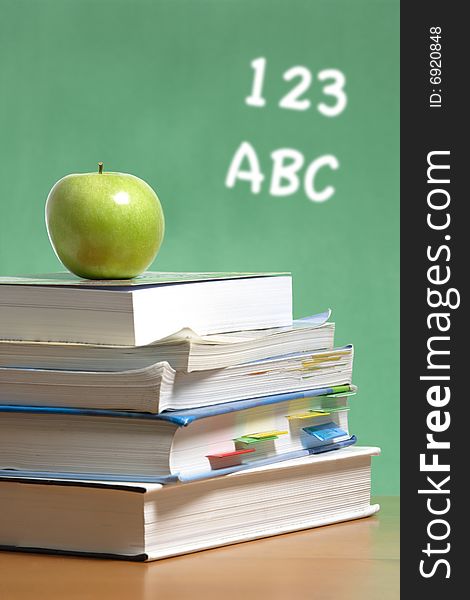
x: 182, y: 418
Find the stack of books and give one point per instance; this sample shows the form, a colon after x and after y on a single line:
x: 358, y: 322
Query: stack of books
x: 170, y: 413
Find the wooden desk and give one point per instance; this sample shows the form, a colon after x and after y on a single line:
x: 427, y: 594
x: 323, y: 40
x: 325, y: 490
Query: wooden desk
x: 355, y: 560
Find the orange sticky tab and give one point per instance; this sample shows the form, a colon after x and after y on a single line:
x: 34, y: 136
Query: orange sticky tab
x: 224, y: 460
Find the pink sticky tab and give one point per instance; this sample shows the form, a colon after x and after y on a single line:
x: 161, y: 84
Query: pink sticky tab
x: 232, y: 453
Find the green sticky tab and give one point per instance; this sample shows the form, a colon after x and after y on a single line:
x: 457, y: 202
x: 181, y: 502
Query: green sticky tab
x: 250, y: 440
x: 341, y: 395
x: 337, y: 389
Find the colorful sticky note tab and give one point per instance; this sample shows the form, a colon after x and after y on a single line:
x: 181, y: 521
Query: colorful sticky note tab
x: 342, y: 390
x: 311, y: 414
x: 337, y: 409
x: 224, y: 460
x: 262, y: 436
x: 306, y: 415
x: 316, y: 361
x: 325, y: 432
x: 232, y: 453
x: 267, y: 434
x: 338, y: 389
x: 252, y: 440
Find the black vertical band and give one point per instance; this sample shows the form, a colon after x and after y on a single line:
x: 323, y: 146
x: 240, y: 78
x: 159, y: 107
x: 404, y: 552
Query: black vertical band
x: 435, y: 262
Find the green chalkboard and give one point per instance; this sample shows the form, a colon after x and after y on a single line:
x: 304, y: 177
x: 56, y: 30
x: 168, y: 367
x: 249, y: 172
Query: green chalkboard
x: 268, y: 128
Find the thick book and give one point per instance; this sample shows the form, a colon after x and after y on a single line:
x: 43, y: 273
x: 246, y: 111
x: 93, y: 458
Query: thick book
x: 137, y: 521
x: 63, y: 308
x: 158, y: 388
x: 184, y: 351
x: 184, y: 445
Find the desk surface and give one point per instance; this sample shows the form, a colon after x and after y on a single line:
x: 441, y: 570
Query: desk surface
x: 354, y: 560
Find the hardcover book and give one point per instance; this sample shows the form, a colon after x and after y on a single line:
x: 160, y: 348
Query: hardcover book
x: 183, y: 445
x: 143, y: 521
x: 62, y: 308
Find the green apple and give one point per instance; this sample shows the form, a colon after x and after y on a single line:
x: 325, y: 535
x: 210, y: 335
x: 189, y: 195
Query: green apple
x: 104, y: 225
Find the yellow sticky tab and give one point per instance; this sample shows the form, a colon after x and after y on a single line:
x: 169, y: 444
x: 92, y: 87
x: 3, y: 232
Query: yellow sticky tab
x: 308, y: 415
x: 265, y: 434
x: 316, y: 360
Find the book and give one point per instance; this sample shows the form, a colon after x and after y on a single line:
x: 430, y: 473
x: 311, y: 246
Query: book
x: 138, y: 521
x: 180, y: 445
x: 63, y: 308
x: 184, y: 351
x: 159, y: 387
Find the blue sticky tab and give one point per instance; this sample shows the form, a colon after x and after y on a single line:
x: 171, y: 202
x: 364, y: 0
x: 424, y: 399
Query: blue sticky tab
x: 325, y: 432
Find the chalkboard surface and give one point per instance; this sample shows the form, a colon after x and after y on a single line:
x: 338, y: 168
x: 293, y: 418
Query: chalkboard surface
x: 268, y: 128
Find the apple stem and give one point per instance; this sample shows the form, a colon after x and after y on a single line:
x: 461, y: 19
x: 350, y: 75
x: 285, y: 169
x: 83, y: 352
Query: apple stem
x: 100, y: 168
